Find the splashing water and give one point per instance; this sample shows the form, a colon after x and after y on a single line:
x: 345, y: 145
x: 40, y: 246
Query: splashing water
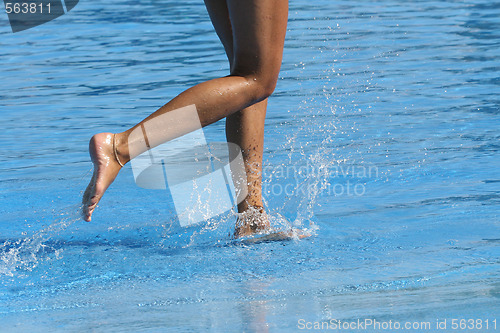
x: 25, y: 254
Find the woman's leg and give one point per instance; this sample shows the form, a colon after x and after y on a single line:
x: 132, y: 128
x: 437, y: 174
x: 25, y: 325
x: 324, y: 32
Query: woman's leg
x: 246, y: 127
x: 259, y: 28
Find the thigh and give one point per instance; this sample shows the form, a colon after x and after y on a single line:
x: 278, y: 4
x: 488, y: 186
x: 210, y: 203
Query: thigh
x: 258, y: 28
x: 219, y: 15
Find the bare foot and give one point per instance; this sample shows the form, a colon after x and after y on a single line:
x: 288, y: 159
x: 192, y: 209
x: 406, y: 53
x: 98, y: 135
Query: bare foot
x: 251, y: 221
x: 105, y: 170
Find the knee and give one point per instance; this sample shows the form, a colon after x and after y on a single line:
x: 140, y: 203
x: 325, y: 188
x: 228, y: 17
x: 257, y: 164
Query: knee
x: 267, y: 85
x: 261, y: 85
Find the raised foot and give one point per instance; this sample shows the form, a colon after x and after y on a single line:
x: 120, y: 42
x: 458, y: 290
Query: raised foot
x: 106, y: 169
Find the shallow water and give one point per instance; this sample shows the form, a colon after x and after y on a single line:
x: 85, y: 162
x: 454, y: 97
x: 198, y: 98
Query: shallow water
x: 382, y: 137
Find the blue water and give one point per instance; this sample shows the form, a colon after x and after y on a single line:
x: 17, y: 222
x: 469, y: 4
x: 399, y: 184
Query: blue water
x: 382, y: 138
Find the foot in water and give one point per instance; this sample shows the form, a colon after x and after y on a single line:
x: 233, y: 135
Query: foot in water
x: 252, y: 221
x: 106, y: 168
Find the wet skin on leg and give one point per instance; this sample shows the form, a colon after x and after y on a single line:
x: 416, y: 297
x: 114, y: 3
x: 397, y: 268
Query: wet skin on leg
x: 244, y: 128
x: 258, y: 30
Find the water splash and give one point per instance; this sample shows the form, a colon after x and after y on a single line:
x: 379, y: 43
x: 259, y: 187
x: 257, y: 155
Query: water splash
x: 26, y: 254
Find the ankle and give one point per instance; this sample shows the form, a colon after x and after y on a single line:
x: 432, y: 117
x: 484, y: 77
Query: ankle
x: 251, y: 221
x: 245, y: 206
x: 121, y: 148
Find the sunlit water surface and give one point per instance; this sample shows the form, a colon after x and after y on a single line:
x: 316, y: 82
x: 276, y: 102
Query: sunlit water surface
x: 382, y: 137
